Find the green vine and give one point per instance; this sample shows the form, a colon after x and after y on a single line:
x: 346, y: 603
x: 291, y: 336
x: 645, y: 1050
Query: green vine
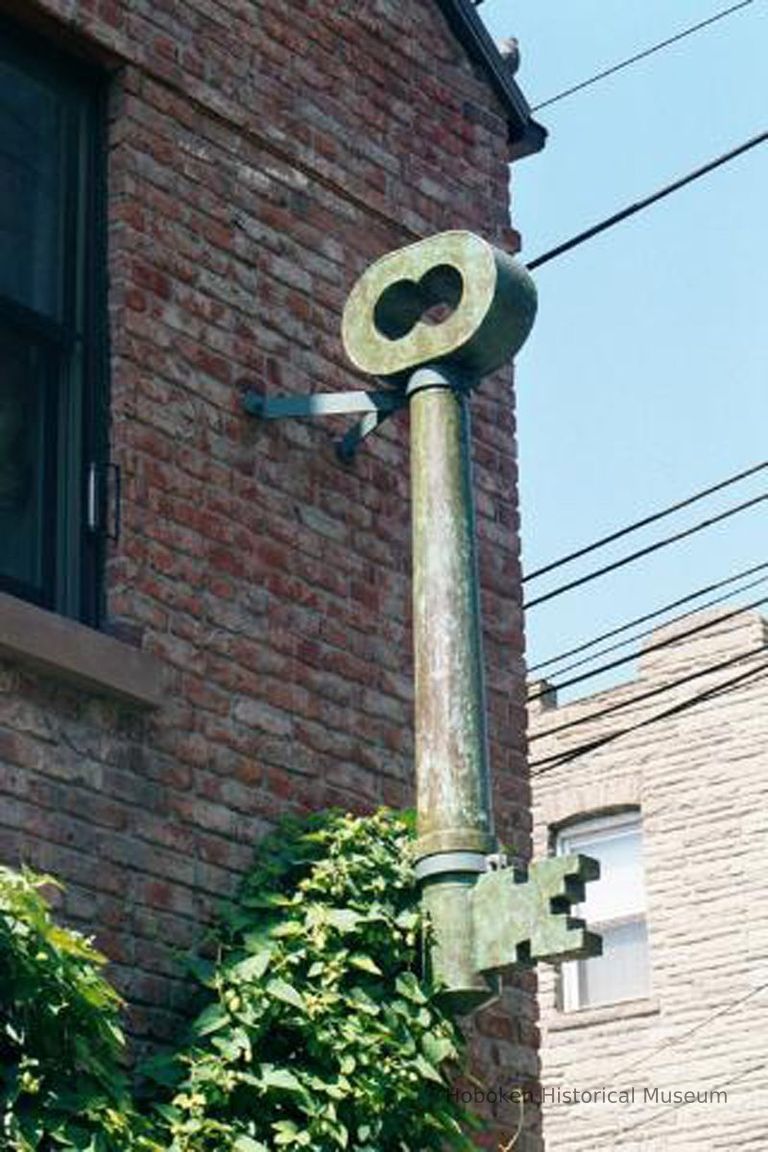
x: 320, y: 1031
x: 61, y: 1081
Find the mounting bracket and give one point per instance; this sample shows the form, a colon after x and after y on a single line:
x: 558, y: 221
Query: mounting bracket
x: 374, y: 407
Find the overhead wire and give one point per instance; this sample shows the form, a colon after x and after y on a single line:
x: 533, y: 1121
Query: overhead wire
x: 672, y: 1041
x: 721, y: 1084
x: 567, y: 246
x: 631, y: 557
x: 704, y: 626
x: 552, y: 254
x: 645, y: 521
x: 584, y: 646
x: 640, y: 205
x: 641, y: 697
x: 650, y: 631
x: 622, y: 64
x: 549, y: 763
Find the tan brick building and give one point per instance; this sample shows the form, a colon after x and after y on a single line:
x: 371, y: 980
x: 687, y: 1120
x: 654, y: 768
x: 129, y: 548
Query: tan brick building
x: 677, y: 809
x: 188, y: 191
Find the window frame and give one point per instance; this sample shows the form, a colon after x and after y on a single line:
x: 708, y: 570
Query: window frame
x: 568, y: 840
x: 76, y: 344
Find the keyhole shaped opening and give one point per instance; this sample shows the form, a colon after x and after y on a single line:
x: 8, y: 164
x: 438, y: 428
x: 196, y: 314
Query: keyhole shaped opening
x: 432, y: 300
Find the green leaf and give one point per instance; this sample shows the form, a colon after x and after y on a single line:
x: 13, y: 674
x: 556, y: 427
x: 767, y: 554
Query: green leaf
x: 287, y: 1132
x: 427, y: 1071
x: 345, y: 919
x: 163, y: 1069
x: 233, y: 1043
x: 248, y: 1144
x: 256, y: 939
x: 215, y: 1016
x: 281, y: 1078
x: 290, y: 928
x: 282, y: 990
x: 437, y: 1049
x: 365, y: 963
x: 408, y: 986
x: 253, y: 967
x: 267, y: 900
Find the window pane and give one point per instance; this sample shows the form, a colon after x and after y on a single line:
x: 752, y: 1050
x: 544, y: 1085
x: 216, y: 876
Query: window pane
x: 25, y: 461
x: 620, y: 891
x: 613, y: 907
x: 621, y: 973
x: 31, y: 190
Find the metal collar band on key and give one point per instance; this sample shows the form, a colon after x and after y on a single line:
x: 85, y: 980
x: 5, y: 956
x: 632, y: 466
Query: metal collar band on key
x: 443, y: 862
x: 424, y: 378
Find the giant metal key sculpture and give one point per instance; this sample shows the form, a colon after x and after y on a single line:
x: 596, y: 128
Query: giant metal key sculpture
x: 486, y: 917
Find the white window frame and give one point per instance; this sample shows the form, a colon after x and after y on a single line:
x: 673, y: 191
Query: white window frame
x: 575, y: 837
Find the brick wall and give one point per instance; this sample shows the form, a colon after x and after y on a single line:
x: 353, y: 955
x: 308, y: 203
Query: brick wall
x: 700, y: 780
x: 260, y: 157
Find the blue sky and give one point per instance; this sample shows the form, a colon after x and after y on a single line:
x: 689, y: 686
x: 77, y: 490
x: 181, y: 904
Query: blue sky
x: 646, y: 376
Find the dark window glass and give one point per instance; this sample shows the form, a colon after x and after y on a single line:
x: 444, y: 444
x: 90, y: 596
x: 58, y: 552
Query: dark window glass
x: 51, y: 334
x: 27, y: 451
x: 33, y: 153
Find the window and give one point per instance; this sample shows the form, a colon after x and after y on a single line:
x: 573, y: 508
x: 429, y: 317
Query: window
x: 52, y: 444
x: 614, y: 907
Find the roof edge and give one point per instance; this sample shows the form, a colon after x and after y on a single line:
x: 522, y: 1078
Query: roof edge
x: 526, y: 135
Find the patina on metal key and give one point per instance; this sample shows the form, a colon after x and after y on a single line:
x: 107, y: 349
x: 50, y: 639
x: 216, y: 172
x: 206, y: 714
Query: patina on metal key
x: 430, y: 321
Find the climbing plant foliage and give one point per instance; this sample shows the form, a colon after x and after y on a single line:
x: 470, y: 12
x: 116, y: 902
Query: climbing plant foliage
x: 321, y: 1032
x: 61, y: 1081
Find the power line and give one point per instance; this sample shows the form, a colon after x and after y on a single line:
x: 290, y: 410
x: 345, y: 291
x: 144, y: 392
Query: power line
x: 548, y: 763
x: 640, y: 205
x: 678, y: 636
x: 552, y: 762
x: 675, y: 1040
x: 674, y: 1107
x: 640, y: 56
x: 647, y: 632
x: 641, y: 697
x: 651, y: 518
x: 651, y: 616
x: 649, y: 548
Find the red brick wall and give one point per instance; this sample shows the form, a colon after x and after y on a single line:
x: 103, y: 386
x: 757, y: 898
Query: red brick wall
x: 261, y: 156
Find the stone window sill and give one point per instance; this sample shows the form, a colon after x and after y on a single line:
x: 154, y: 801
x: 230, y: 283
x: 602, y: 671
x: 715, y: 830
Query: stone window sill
x: 586, y: 1017
x: 63, y: 648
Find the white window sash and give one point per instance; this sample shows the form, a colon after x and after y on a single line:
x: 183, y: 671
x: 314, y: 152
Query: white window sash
x: 611, y: 909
